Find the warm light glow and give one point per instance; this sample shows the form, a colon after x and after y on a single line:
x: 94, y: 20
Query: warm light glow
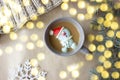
x: 30, y: 25
x: 64, y: 6
x: 26, y: 2
x: 34, y: 71
x: 72, y: 11
x: 39, y: 43
x: 89, y: 57
x: 62, y: 74
x: 75, y: 74
x: 40, y: 24
x: 45, y: 1
x: 90, y: 10
x: 30, y: 46
x: 6, y: 29
x: 34, y: 62
x: 65, y: 0
x: 34, y: 37
x: 41, y: 10
x: 81, y: 4
x: 13, y: 36
x: 41, y: 56
x: 80, y: 17
x: 34, y: 17
x: 73, y: 0
x: 74, y: 67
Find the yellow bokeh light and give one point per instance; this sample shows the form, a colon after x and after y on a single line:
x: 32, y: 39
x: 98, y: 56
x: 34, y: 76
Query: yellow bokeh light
x: 45, y: 1
x: 118, y: 54
x: 89, y: 57
x: 72, y: 11
x: 100, y: 69
x: 34, y: 37
x: 107, y: 53
x: 107, y: 23
x: 101, y: 59
x: 114, y: 26
x: 80, y: 17
x: 92, y: 47
x: 101, y: 48
x: 73, y: 0
x: 110, y: 33
x: 40, y: 43
x: 75, y: 74
x: 34, y: 71
x: 1, y: 52
x: 99, y: 38
x: 64, y: 6
x: 26, y: 2
x: 40, y: 24
x: 62, y: 74
x: 74, y: 67
x: 34, y: 17
x: 65, y: 0
x: 105, y: 74
x: 18, y: 47
x: 118, y: 34
x: 88, y: 16
x: 115, y: 75
x: 30, y: 46
x: 99, y: 1
x: 30, y: 25
x: 100, y: 20
x: 34, y: 62
x: 9, y: 23
x: 109, y: 43
x: 41, y: 10
x: 13, y: 36
x: 41, y: 56
x: 81, y: 4
x: 109, y: 16
x: 104, y: 7
x: 6, y: 29
x: 90, y: 9
x: 9, y: 50
x: 94, y: 77
x: 91, y: 37
x: 117, y: 64
x: 24, y: 38
x: 107, y: 64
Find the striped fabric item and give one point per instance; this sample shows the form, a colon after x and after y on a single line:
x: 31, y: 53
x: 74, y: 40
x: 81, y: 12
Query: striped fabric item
x: 15, y: 13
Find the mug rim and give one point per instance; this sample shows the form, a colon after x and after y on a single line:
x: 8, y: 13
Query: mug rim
x: 80, y: 42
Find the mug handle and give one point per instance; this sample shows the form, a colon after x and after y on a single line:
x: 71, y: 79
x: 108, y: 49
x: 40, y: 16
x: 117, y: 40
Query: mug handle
x: 85, y: 50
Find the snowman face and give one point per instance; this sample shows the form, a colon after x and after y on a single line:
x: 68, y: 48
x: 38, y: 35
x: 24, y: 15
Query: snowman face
x: 65, y: 34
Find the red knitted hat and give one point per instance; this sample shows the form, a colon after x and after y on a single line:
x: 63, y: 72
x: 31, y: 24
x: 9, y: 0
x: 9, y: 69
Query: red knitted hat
x: 56, y: 31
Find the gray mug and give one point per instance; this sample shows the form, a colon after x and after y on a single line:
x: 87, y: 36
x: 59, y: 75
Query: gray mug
x: 80, y: 46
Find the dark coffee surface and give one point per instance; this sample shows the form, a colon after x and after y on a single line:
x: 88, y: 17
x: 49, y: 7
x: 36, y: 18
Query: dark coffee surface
x: 55, y: 43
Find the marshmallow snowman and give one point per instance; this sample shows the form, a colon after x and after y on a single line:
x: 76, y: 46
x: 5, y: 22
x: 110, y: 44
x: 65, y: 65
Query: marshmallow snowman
x: 65, y: 38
